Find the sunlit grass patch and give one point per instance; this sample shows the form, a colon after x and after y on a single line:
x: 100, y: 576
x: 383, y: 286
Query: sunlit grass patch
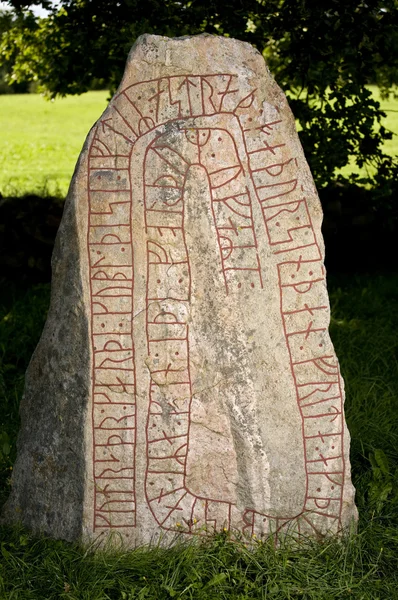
x: 41, y: 140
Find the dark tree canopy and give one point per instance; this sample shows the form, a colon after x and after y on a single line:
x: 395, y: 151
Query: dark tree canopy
x: 323, y: 53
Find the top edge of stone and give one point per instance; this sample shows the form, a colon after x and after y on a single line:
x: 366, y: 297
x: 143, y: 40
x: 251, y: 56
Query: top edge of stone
x: 152, y: 56
x: 196, y: 40
x: 150, y: 37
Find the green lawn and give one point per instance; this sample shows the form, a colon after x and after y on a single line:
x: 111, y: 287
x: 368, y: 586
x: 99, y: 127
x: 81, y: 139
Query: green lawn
x: 390, y: 107
x: 41, y: 140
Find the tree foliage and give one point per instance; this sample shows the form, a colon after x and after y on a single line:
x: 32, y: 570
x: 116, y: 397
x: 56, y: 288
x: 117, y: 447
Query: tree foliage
x: 323, y: 53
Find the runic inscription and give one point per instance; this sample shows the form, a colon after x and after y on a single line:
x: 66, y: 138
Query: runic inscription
x: 185, y: 381
x: 206, y: 125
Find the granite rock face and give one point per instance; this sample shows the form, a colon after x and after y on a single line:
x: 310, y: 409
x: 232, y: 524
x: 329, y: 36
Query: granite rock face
x: 185, y: 380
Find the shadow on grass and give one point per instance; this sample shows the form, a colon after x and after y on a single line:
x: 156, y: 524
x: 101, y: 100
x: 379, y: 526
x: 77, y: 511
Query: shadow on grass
x: 28, y: 226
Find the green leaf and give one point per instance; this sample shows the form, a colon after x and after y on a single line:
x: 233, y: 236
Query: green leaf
x: 382, y: 461
x: 217, y: 579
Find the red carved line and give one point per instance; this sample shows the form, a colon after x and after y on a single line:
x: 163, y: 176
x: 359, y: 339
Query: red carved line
x: 107, y: 155
x: 247, y: 105
x: 327, y: 473
x: 314, y: 360
x: 234, y: 211
x: 114, y: 368
x: 327, y: 383
x: 330, y: 383
x: 99, y: 150
x: 173, y: 508
x: 320, y: 401
x: 125, y: 121
x: 118, y: 243
x: 322, y: 435
x: 161, y: 187
x: 99, y: 428
x: 114, y: 404
x: 110, y: 470
x: 331, y: 414
x: 268, y: 148
x: 238, y: 166
x: 307, y: 331
x: 259, y: 270
x: 271, y: 185
x: 169, y: 77
x: 165, y: 472
x: 99, y: 295
x: 109, y: 191
x: 106, y: 312
x: 110, y: 526
x: 179, y: 452
x: 236, y: 229
x: 118, y: 332
x: 296, y: 248
x: 104, y: 124
x: 287, y: 210
x: 111, y: 265
x: 176, y: 457
x: 121, y: 477
x: 101, y: 168
x: 166, y: 322
x: 100, y: 508
x: 168, y: 438
x: 290, y: 238
x: 112, y: 359
x: 330, y: 498
x: 154, y: 148
x: 241, y: 269
x: 167, y: 212
x: 105, y: 491
x: 173, y: 150
x: 282, y: 164
x: 169, y: 298
x: 162, y: 495
x: 285, y: 204
x: 324, y: 460
x: 327, y: 515
x: 307, y: 309
x: 234, y: 196
x: 107, y: 212
x: 98, y: 141
x: 299, y: 262
x: 119, y: 349
x: 174, y: 339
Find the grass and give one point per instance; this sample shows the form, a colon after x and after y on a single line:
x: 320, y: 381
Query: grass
x: 363, y: 328
x: 214, y: 570
x: 42, y: 139
x: 390, y: 107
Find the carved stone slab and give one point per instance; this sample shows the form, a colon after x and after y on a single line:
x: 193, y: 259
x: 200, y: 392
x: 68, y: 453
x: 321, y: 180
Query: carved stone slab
x: 185, y: 380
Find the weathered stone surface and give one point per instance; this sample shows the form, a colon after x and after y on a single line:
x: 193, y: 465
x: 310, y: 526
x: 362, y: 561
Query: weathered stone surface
x: 185, y: 379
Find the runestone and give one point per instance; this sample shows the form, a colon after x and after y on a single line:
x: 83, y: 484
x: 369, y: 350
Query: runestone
x: 185, y: 381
